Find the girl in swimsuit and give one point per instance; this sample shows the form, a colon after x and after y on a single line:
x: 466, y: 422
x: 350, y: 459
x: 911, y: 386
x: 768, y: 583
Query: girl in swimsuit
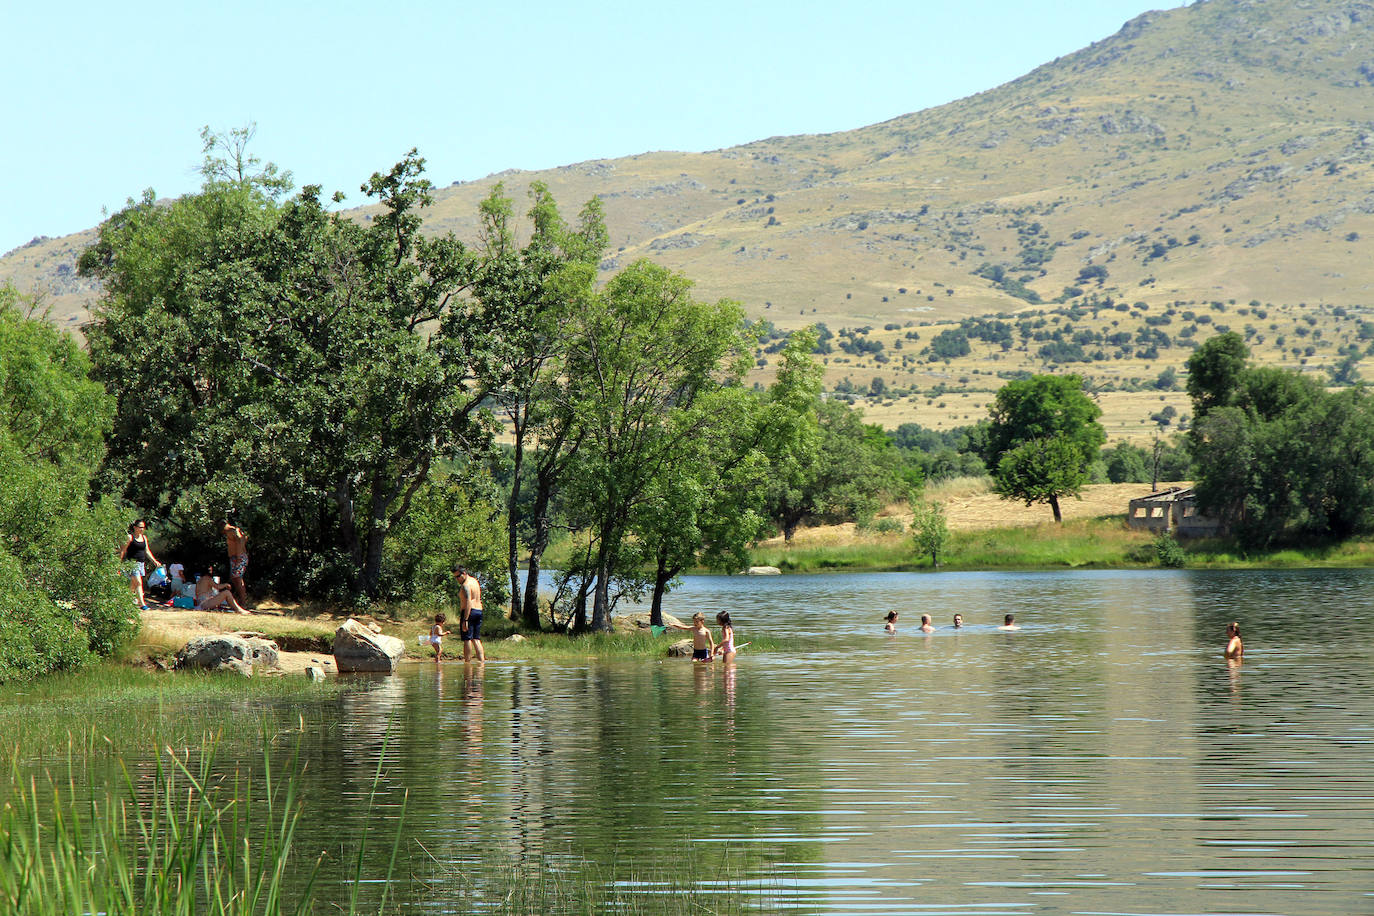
x: 436, y: 636
x: 726, y: 649
x: 891, y: 619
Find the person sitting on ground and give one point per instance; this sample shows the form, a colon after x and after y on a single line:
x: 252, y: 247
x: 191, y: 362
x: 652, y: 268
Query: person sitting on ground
x: 891, y: 618
x: 926, y: 625
x: 1009, y: 623
x: 212, y: 595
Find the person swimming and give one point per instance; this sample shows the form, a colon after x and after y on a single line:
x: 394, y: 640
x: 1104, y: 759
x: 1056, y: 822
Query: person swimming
x: 1235, y: 649
x: 926, y: 625
x: 891, y: 619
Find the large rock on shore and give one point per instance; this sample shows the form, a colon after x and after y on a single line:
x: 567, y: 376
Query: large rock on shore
x: 359, y: 648
x: 763, y: 571
x: 227, y: 653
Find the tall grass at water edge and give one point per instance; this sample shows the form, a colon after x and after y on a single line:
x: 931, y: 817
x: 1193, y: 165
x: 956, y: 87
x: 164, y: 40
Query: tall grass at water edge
x: 180, y: 840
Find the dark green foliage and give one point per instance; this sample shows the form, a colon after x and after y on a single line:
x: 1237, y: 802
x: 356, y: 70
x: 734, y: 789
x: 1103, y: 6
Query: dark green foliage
x: 1278, y: 456
x: 63, y: 599
x: 1044, y: 435
x: 302, y: 369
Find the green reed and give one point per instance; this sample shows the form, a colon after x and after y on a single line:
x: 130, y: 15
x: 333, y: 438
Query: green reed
x: 170, y: 837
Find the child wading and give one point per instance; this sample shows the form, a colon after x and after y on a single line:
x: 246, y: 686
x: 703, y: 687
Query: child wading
x: 703, y: 646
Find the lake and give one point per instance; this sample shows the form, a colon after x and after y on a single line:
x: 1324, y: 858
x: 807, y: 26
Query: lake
x: 1103, y: 759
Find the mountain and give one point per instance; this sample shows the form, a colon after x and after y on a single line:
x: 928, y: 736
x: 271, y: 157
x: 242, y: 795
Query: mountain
x: 1222, y: 151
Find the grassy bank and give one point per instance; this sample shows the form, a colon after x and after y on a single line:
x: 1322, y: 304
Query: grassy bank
x: 1101, y: 543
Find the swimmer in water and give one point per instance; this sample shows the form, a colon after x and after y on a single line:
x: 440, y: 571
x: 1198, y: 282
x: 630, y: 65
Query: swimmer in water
x: 926, y: 625
x: 1009, y: 623
x: 891, y: 618
x: 1235, y: 649
x: 958, y: 621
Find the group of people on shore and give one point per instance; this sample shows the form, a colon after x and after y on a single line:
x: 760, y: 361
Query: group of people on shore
x: 199, y: 589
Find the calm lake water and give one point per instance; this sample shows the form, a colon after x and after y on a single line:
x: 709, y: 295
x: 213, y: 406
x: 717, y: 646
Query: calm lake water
x: 1102, y: 760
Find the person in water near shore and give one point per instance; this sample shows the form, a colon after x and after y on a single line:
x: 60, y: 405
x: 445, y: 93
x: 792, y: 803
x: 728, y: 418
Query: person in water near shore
x: 470, y: 604
x: 1235, y: 649
x: 1009, y: 623
x: 703, y: 646
x: 926, y: 625
x: 891, y: 619
x: 436, y: 636
x: 726, y: 649
x: 138, y: 549
x: 958, y: 621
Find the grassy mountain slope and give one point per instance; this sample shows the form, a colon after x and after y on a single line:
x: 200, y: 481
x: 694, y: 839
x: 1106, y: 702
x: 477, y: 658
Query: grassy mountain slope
x: 1217, y: 152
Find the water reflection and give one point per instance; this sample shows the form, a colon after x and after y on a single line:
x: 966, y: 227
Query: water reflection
x: 1102, y: 759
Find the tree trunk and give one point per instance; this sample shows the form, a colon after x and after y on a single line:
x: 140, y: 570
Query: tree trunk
x: 662, y: 576
x: 513, y: 528
x: 538, y: 544
x: 1054, y: 504
x: 601, y: 596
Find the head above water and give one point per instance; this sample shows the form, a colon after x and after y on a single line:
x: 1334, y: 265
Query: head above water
x: 1233, y: 629
x: 958, y: 620
x: 925, y: 620
x: 1007, y: 620
x: 891, y: 616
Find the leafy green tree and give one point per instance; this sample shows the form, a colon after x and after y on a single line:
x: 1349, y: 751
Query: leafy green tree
x: 1283, y: 458
x: 541, y: 285
x: 1214, y: 370
x: 837, y: 467
x: 643, y: 351
x: 302, y: 368
x: 63, y: 600
x: 930, y: 533
x: 1044, y: 435
x: 708, y: 508
x: 1125, y: 463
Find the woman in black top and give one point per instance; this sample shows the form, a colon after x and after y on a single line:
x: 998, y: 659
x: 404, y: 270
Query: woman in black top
x: 138, y: 549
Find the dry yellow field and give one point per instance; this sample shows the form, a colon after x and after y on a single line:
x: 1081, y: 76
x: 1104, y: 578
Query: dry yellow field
x: 969, y: 506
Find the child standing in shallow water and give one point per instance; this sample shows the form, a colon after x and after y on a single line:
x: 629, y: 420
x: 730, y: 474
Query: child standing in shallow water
x: 436, y: 636
x: 726, y: 649
x: 703, y: 646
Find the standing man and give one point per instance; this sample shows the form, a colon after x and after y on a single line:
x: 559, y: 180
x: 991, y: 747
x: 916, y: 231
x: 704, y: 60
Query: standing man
x: 470, y: 605
x: 236, y: 540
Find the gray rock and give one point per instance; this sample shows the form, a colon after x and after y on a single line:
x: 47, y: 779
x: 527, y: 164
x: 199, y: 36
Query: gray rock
x: 680, y: 649
x: 358, y: 648
x: 763, y: 571
x: 227, y: 653
x: 516, y: 637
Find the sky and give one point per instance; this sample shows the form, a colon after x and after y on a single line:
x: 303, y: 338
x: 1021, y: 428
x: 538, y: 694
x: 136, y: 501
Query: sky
x: 100, y: 101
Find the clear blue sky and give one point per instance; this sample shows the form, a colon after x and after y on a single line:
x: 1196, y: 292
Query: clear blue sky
x: 102, y: 100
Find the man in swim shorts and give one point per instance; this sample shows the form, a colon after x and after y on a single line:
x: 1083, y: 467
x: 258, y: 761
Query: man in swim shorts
x: 236, y: 540
x: 470, y: 605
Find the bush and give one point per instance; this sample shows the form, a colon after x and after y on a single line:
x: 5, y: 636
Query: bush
x: 1168, y: 553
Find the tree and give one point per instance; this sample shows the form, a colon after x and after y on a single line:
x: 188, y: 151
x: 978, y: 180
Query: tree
x: 63, y: 600
x: 837, y: 467
x: 1043, y: 436
x: 708, y: 507
x: 642, y: 350
x: 1126, y: 463
x: 302, y: 368
x: 930, y: 533
x: 1214, y: 370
